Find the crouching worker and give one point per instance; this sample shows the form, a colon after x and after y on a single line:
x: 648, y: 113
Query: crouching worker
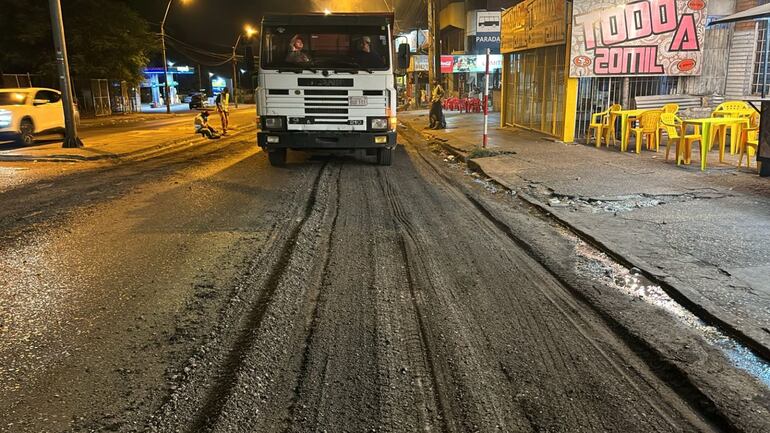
x: 202, y: 125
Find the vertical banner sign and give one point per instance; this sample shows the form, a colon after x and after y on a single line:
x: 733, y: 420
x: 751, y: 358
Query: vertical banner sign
x: 642, y: 37
x: 487, y: 32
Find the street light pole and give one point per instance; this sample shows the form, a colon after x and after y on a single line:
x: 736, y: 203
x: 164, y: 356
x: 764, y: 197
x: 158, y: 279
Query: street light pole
x: 235, y: 77
x: 165, y: 63
x: 71, y: 138
x: 250, y: 31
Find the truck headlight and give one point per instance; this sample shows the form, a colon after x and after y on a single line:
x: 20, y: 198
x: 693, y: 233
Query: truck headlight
x: 378, y: 123
x: 273, y: 122
x: 5, y: 118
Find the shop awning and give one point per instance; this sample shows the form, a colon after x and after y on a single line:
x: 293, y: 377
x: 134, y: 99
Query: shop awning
x: 755, y: 13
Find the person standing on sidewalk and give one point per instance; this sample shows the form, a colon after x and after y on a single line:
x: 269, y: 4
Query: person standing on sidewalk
x: 437, y: 120
x: 223, y: 107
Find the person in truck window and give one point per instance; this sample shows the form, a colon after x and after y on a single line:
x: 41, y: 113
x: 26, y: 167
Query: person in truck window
x: 296, y: 55
x: 364, y: 55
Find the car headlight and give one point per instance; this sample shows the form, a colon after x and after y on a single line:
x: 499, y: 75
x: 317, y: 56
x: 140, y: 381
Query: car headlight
x: 273, y: 122
x: 378, y: 123
x: 5, y: 118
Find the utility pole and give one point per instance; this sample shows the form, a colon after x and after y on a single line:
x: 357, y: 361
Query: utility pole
x: 434, y: 56
x: 235, y: 75
x: 434, y: 47
x: 71, y: 138
x: 200, y: 80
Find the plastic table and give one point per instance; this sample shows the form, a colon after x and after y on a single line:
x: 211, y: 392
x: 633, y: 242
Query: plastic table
x: 708, y: 130
x: 625, y: 116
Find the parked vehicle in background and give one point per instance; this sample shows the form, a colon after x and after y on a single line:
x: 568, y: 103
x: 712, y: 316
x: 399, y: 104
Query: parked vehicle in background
x: 198, y: 100
x: 27, y: 113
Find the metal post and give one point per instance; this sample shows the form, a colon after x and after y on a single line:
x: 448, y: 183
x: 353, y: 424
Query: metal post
x: 200, y: 80
x: 486, y: 102
x: 431, y: 45
x: 767, y: 52
x: 71, y: 133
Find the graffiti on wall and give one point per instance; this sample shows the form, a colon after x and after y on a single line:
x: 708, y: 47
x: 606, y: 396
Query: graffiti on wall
x: 641, y: 37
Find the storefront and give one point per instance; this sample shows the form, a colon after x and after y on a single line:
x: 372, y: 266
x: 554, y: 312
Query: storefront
x: 463, y: 75
x: 537, y: 92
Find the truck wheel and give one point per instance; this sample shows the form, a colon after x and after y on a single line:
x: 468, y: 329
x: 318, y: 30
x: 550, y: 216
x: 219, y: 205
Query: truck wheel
x: 384, y: 156
x: 277, y: 157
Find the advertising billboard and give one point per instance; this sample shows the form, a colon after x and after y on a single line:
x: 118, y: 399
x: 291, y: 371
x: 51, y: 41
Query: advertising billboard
x: 460, y: 63
x: 641, y: 37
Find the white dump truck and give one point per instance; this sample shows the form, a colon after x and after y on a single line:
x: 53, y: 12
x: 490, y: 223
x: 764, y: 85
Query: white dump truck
x: 326, y: 84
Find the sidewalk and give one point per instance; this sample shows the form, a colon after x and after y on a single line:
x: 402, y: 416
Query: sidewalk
x: 704, y: 236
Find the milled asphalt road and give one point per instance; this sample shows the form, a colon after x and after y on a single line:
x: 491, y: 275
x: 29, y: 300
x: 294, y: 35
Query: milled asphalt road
x: 207, y: 291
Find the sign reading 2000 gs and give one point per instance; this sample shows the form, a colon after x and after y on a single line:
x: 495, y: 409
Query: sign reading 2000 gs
x: 643, y: 37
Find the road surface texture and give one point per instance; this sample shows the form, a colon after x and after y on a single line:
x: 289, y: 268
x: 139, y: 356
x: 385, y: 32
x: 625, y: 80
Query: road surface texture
x: 206, y: 291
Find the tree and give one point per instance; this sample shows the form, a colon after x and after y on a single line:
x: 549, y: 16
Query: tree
x: 105, y: 39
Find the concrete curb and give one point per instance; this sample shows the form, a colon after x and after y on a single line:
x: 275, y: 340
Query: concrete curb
x: 688, y: 298
x: 153, y: 150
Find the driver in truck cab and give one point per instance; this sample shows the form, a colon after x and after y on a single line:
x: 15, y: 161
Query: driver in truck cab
x: 365, y: 57
x: 296, y: 55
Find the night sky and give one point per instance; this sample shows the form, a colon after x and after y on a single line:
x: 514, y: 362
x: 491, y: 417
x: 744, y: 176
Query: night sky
x: 213, y: 25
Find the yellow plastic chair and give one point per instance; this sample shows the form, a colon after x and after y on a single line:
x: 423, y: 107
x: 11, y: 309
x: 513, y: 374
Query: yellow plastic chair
x: 647, y: 126
x: 668, y: 108
x: 675, y: 131
x: 749, y: 141
x: 671, y: 108
x: 729, y: 107
x: 609, y: 129
x: 599, y: 121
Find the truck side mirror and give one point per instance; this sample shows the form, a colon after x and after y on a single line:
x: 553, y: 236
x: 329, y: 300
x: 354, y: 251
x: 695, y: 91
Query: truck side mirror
x: 403, y: 56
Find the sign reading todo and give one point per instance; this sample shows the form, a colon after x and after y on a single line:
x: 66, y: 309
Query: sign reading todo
x: 642, y: 37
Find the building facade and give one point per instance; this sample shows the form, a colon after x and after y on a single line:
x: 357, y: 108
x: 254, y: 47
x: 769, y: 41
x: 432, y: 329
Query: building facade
x: 551, y: 86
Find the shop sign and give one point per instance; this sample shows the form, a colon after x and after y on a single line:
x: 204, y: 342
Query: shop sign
x: 470, y: 63
x: 533, y: 24
x: 642, y: 37
x: 459, y: 63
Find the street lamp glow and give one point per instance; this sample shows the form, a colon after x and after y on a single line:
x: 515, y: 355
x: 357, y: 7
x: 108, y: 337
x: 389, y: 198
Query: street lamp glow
x: 170, y: 63
x: 250, y: 31
x: 327, y: 12
x: 211, y: 74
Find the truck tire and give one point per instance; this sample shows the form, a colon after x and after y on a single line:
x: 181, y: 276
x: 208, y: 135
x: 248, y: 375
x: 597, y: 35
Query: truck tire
x: 277, y: 157
x: 385, y: 156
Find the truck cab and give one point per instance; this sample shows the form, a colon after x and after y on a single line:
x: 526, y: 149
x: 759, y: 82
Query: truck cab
x: 326, y: 84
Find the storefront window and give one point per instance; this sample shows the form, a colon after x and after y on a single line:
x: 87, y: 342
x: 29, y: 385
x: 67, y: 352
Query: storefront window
x: 535, y: 87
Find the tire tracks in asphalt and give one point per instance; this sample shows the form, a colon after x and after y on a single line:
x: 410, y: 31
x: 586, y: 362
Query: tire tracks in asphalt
x: 577, y: 303
x: 406, y: 242
x: 218, y: 394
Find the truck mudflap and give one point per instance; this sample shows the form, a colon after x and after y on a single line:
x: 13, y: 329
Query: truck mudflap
x: 318, y: 140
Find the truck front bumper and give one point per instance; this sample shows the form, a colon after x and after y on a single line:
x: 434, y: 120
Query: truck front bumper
x: 323, y: 140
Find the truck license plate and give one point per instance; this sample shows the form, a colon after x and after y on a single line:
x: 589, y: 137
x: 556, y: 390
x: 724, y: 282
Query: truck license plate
x: 357, y: 101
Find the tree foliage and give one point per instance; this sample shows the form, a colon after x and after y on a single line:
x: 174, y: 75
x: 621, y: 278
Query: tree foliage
x: 105, y: 39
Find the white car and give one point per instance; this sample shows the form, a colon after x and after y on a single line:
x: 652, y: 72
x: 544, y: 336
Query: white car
x: 27, y: 113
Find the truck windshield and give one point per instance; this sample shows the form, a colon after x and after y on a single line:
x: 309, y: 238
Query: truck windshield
x: 325, y: 47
